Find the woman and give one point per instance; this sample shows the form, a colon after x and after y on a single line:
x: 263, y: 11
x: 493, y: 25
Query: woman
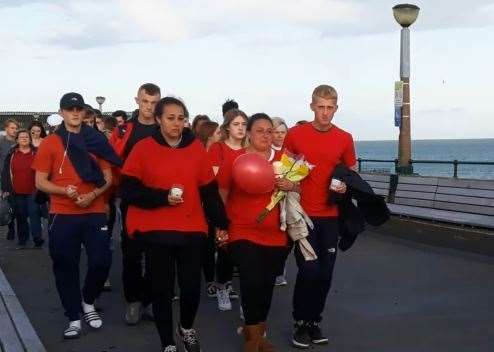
x: 198, y: 121
x: 258, y: 249
x: 209, y: 133
x: 168, y: 182
x: 234, y: 140
x: 38, y: 132
x: 18, y: 182
x: 280, y: 130
x: 279, y: 133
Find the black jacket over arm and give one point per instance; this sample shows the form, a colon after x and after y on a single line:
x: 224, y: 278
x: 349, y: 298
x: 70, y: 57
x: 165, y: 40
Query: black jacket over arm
x: 371, y: 208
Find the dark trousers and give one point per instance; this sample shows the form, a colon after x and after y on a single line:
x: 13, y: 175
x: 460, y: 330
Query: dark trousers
x: 163, y: 262
x: 66, y: 234
x: 208, y: 259
x: 314, y: 276
x: 224, y: 266
x: 135, y: 278
x: 26, y: 208
x: 257, y: 266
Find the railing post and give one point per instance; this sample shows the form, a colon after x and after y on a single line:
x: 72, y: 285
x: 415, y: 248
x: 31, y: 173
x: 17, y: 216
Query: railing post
x: 396, y: 166
x: 359, y: 164
x: 455, y: 168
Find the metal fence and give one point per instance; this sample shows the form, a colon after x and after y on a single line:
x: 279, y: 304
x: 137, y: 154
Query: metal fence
x: 455, y: 163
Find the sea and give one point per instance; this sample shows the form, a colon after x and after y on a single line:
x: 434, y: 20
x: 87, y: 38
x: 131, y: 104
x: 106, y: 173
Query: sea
x: 439, y: 150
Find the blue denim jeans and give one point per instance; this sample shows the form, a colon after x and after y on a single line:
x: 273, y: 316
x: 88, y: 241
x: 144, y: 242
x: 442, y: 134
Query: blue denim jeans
x: 26, y: 208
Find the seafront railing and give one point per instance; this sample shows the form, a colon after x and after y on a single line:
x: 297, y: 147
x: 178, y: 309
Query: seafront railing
x: 455, y: 163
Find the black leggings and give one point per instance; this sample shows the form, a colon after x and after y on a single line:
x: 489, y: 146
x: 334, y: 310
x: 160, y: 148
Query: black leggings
x: 258, y: 266
x: 162, y: 261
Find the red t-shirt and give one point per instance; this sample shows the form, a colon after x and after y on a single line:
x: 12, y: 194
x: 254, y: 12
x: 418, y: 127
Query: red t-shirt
x: 324, y: 150
x: 22, y: 174
x: 220, y: 153
x: 160, y: 166
x: 243, y: 209
x: 50, y: 158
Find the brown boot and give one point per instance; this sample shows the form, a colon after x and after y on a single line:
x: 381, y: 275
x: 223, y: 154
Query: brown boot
x: 252, y: 338
x: 265, y: 345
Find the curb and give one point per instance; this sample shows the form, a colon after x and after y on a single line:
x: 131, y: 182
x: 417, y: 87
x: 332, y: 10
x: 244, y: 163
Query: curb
x: 16, y: 331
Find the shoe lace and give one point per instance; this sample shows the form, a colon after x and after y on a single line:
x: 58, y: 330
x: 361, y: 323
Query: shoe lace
x: 189, y: 336
x: 170, y: 349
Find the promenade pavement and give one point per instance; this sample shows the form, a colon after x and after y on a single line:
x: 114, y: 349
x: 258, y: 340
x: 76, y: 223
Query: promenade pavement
x: 388, y: 294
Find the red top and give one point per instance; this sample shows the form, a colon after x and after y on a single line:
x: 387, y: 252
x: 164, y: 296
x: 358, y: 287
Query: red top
x: 160, y: 166
x: 50, y: 158
x: 21, y: 173
x: 220, y: 153
x: 324, y: 150
x: 243, y: 209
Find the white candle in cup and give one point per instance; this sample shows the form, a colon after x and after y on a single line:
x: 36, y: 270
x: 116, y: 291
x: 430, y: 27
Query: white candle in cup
x: 335, y: 183
x: 177, y: 191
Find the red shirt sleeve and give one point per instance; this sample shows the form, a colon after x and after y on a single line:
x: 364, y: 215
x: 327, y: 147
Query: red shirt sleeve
x: 43, y: 162
x: 349, y: 158
x: 206, y: 173
x: 215, y: 154
x: 224, y: 176
x: 133, y: 166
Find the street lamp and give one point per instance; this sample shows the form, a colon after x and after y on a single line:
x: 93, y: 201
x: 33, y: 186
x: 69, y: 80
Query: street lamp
x: 405, y: 15
x: 100, y: 101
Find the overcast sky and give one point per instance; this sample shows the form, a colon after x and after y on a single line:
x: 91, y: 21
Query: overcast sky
x: 266, y: 54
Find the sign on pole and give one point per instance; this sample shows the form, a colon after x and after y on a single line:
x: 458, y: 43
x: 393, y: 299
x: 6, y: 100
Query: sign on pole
x: 398, y: 102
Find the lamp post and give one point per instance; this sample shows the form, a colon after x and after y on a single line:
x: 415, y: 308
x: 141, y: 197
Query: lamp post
x: 100, y: 101
x: 405, y: 15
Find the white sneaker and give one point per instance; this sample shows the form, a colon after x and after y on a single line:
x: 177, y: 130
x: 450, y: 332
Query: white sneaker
x: 224, y: 302
x: 280, y: 281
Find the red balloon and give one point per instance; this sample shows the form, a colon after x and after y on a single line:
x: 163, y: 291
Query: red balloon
x: 253, y: 174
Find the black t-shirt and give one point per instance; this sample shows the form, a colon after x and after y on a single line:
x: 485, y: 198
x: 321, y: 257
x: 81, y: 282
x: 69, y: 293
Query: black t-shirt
x: 139, y: 132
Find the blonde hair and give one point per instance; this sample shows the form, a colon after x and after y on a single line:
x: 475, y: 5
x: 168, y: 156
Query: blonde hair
x: 325, y: 92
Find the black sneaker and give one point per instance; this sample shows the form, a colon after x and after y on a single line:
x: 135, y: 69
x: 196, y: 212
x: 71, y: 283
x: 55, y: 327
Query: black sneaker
x: 316, y: 335
x: 301, y: 338
x: 189, y: 340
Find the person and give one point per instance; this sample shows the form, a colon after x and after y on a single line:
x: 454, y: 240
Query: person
x: 258, y: 249
x: 209, y: 133
x: 120, y: 116
x: 99, y: 123
x: 324, y: 145
x: 37, y: 131
x: 198, y: 121
x: 169, y: 219
x: 6, y: 142
x: 18, y: 182
x: 89, y: 116
x: 280, y: 130
x: 232, y: 144
x: 228, y: 105
x: 73, y: 167
x: 135, y: 280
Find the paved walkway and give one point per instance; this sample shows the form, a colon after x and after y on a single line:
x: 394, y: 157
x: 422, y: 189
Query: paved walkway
x: 388, y: 295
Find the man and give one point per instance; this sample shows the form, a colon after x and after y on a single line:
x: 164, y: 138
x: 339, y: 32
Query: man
x: 228, y: 105
x: 72, y: 167
x: 136, y: 285
x: 6, y: 142
x: 120, y: 116
x: 324, y: 145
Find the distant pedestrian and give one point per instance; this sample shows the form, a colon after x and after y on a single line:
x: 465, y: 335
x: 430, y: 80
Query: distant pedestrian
x: 38, y: 132
x: 120, y: 116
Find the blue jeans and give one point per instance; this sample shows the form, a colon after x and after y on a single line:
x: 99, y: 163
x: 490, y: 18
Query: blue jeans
x: 314, y: 276
x: 66, y: 234
x: 26, y: 208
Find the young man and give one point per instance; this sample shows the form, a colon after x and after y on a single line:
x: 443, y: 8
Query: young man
x: 6, y: 142
x: 120, y: 116
x: 136, y: 285
x: 72, y: 166
x: 324, y: 145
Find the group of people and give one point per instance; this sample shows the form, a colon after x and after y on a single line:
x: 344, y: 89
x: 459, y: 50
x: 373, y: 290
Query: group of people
x: 184, y: 214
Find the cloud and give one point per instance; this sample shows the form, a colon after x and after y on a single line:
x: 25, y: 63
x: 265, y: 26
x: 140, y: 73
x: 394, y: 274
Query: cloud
x: 80, y: 24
